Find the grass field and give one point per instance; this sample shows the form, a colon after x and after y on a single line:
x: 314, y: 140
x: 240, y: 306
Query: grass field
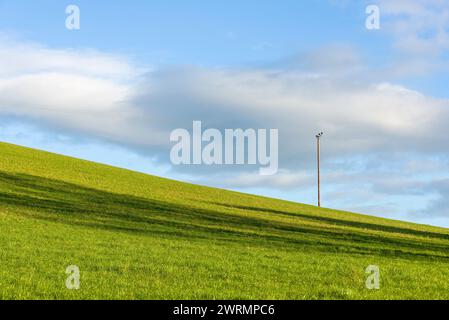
x: 135, y: 236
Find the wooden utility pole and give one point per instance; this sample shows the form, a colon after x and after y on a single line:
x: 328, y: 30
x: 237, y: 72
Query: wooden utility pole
x: 318, y: 136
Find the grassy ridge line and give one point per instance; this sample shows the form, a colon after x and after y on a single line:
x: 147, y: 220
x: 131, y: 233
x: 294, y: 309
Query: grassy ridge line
x: 139, y: 236
x: 25, y: 160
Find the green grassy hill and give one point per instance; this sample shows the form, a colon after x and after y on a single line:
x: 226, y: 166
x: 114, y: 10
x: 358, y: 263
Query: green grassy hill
x: 136, y: 236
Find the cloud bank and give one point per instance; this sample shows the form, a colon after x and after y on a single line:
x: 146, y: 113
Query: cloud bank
x: 383, y: 140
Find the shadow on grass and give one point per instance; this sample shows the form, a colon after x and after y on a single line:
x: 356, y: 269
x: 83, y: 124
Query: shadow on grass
x: 341, y: 222
x: 72, y: 204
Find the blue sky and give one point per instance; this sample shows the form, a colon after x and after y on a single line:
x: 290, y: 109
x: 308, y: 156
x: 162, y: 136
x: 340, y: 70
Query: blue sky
x: 113, y: 90
x: 193, y: 32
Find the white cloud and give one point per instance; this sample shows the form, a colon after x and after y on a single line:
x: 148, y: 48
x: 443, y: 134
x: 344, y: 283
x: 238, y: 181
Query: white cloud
x: 283, y: 180
x: 120, y: 105
x: 83, y: 91
x: 420, y: 30
x: 20, y: 57
x: 440, y: 206
x: 420, y: 26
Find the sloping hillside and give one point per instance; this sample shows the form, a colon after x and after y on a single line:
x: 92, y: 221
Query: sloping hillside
x: 137, y: 236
